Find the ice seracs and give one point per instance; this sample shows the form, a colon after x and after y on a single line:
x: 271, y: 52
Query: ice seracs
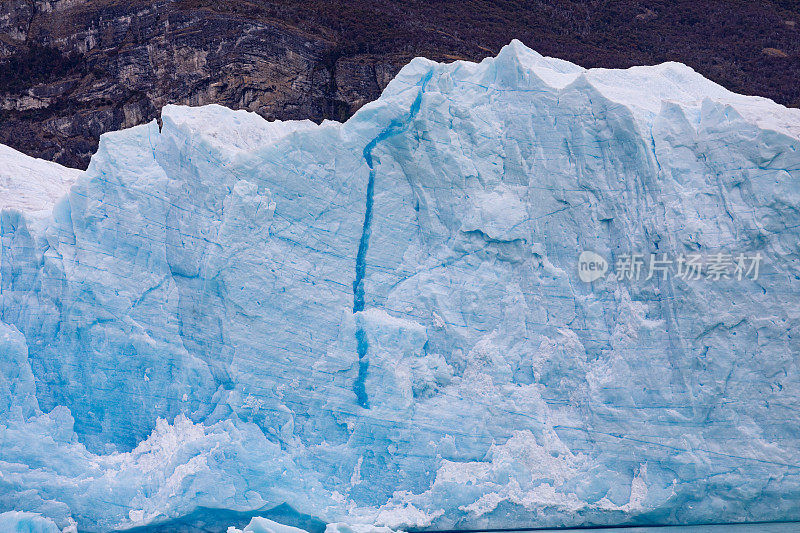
x: 208, y: 316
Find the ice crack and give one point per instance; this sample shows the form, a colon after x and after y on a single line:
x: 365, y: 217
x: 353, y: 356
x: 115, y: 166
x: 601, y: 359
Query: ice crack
x: 396, y: 127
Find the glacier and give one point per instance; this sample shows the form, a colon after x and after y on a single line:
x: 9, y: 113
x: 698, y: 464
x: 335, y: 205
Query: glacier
x: 381, y: 322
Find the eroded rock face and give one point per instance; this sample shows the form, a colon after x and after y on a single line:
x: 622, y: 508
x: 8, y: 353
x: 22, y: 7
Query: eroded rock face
x: 135, y: 57
x: 97, y: 66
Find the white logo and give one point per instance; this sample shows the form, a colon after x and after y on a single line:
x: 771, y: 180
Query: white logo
x: 591, y: 266
x: 692, y: 267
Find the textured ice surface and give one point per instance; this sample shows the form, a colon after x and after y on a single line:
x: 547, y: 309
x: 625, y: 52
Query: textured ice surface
x: 19, y: 522
x: 32, y: 185
x: 381, y: 321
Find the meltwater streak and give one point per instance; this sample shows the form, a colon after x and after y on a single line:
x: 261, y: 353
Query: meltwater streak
x: 396, y: 127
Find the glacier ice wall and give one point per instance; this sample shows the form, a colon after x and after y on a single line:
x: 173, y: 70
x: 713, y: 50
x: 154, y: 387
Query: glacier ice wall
x: 381, y: 321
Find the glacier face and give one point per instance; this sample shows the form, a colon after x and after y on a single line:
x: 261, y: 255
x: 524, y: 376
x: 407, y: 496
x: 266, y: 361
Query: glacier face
x: 381, y: 321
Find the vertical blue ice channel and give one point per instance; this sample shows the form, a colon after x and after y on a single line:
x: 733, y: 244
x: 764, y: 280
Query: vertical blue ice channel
x: 397, y: 126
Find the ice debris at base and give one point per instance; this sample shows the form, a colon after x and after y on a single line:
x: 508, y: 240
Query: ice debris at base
x: 380, y: 322
x: 264, y: 525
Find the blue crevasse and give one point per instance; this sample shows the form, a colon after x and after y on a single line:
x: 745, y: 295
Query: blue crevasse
x: 190, y: 324
x: 395, y: 128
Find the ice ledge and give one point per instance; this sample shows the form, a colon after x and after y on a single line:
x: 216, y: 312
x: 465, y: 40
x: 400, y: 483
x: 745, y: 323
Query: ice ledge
x: 32, y: 185
x: 237, y: 130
